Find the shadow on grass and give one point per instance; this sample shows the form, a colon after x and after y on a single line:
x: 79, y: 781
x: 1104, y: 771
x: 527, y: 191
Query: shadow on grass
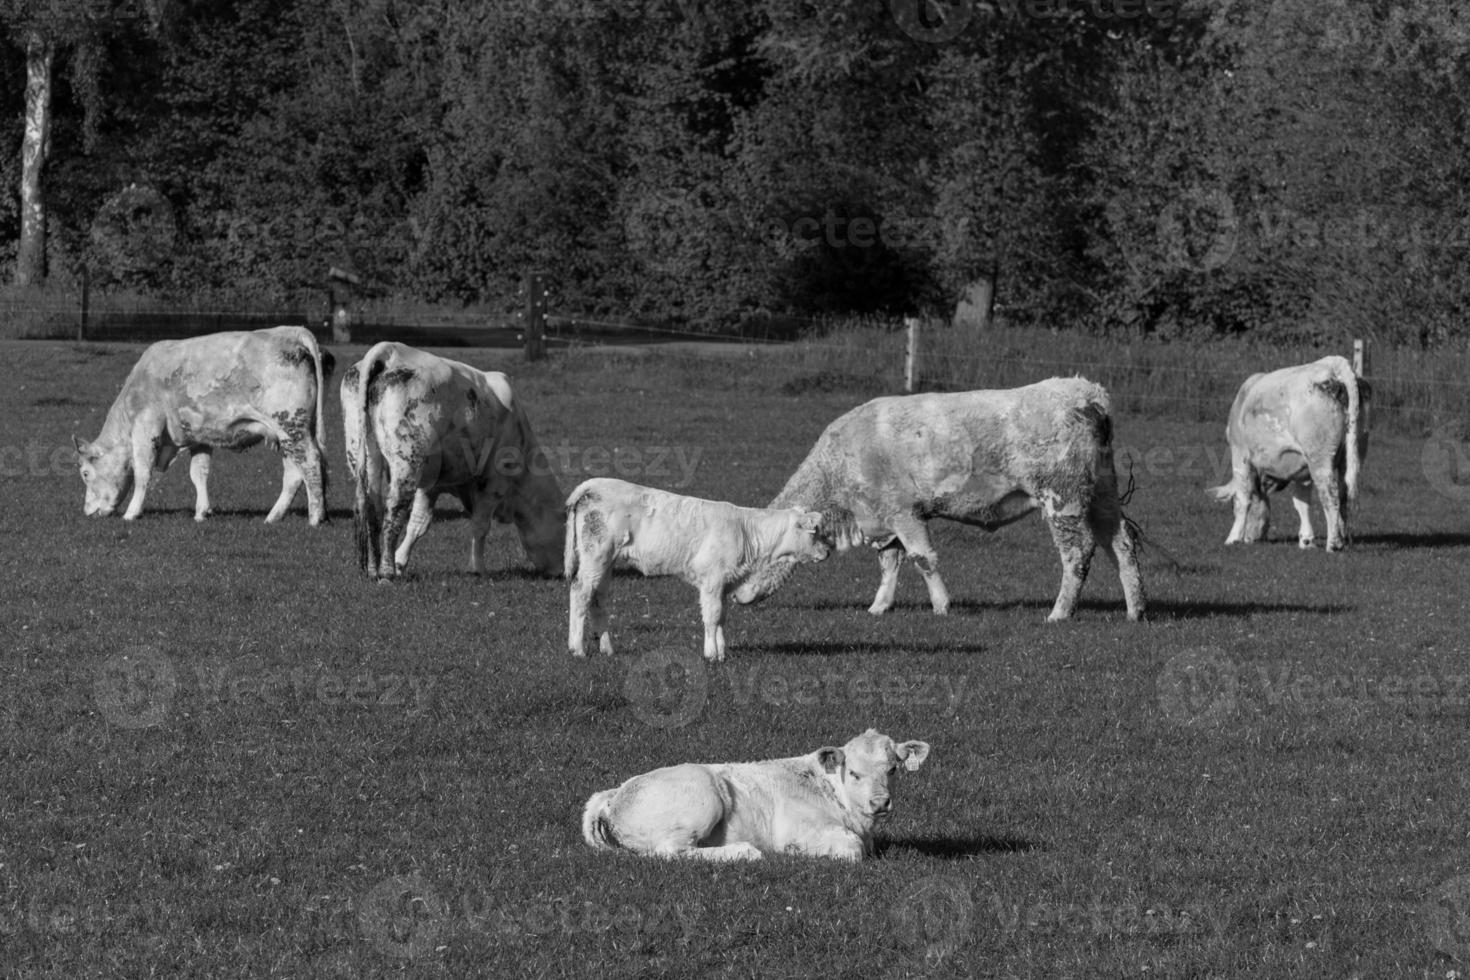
x: 295, y: 514
x: 956, y: 848
x: 823, y: 648
x: 1433, y: 539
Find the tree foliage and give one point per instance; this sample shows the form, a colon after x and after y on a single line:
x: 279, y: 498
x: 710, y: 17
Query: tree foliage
x: 1170, y: 167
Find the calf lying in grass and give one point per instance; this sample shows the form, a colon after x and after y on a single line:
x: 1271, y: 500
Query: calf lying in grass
x: 823, y: 804
x: 723, y: 550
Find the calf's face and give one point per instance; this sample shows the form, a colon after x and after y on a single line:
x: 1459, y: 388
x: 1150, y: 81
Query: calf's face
x: 801, y: 543
x: 861, y: 769
x: 108, y: 478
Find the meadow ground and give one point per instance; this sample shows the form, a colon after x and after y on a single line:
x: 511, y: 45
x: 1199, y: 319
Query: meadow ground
x: 225, y: 753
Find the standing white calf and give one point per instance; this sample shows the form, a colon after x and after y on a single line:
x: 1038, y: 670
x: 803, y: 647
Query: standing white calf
x: 719, y: 548
x: 823, y: 805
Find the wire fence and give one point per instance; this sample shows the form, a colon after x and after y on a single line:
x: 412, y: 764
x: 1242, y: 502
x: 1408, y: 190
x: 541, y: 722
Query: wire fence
x: 1411, y: 391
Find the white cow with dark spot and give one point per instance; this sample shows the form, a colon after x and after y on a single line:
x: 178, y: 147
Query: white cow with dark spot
x: 221, y: 391
x: 881, y: 472
x: 719, y: 548
x: 823, y: 805
x: 418, y: 426
x: 1296, y: 427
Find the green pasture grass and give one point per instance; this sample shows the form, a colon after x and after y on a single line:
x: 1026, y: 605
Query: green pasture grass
x: 226, y: 753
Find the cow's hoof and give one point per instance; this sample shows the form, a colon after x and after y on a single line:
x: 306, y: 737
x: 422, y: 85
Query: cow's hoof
x: 877, y: 610
x: 942, y: 610
x: 131, y: 517
x: 1306, y: 543
x: 579, y: 654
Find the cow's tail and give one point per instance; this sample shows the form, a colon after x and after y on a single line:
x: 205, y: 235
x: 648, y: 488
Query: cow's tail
x: 368, y: 509
x: 596, y: 824
x: 569, y: 553
x: 1345, y: 375
x: 323, y: 372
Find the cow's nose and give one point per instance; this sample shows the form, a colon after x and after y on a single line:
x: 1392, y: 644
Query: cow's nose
x: 882, y: 806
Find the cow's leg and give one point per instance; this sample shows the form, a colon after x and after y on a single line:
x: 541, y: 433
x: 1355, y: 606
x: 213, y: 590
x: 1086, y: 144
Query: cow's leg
x: 600, y: 620
x: 835, y: 842
x: 889, y: 561
x: 740, y: 851
x: 913, y: 534
x: 1252, y: 509
x: 146, y: 446
x: 291, y: 480
x: 480, y: 519
x: 1075, y: 543
x: 199, y: 458
x: 1120, y: 545
x: 1329, y: 492
x: 419, y: 519
x: 712, y: 609
x: 1301, y: 499
x: 589, y: 602
x: 400, y: 503
x: 308, y: 457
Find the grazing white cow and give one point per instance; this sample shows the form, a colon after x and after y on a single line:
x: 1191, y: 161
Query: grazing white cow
x: 221, y: 391
x: 879, y: 474
x: 418, y: 426
x: 718, y: 548
x: 822, y: 805
x: 1296, y: 427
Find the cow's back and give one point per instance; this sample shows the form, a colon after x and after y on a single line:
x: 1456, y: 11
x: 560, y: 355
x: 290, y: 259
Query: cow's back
x: 980, y: 445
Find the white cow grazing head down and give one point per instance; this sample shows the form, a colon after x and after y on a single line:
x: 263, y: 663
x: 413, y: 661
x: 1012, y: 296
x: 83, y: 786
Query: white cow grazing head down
x: 221, y: 391
x: 1296, y: 427
x: 881, y: 472
x: 418, y: 426
x: 823, y: 804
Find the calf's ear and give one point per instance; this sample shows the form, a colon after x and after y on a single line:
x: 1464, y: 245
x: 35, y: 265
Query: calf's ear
x: 809, y: 521
x: 83, y: 447
x: 913, y: 753
x: 831, y: 758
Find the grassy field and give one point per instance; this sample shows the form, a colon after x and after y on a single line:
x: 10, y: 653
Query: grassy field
x: 227, y: 754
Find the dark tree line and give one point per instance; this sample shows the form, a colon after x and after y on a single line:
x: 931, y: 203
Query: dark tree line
x: 1169, y: 167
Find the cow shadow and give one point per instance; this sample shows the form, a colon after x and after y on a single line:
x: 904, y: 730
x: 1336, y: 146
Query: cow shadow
x: 246, y: 514
x: 823, y: 648
x: 1434, y: 539
x: 957, y: 848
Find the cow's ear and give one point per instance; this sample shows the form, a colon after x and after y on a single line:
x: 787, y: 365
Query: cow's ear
x: 84, y: 448
x: 831, y: 758
x: 912, y: 753
x: 809, y: 521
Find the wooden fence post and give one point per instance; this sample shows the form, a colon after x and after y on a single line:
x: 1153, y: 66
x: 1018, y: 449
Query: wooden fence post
x: 911, y: 357
x: 535, y: 325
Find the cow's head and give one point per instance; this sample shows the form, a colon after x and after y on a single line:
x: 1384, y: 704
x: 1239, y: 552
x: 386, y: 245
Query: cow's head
x: 536, y: 505
x: 860, y: 770
x: 108, y: 476
x: 798, y: 541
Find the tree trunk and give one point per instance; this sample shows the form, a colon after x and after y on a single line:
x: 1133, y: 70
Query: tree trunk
x: 30, y: 258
